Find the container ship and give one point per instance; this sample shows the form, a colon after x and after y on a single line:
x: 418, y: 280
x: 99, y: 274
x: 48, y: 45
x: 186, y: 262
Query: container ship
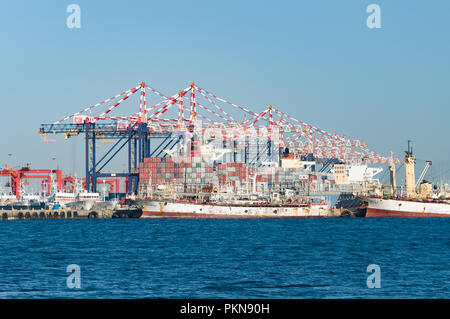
x: 420, y: 199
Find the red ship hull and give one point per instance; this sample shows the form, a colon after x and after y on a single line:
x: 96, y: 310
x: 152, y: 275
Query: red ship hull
x: 373, y: 212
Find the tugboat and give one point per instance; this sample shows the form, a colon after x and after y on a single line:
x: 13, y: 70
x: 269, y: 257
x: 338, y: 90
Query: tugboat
x: 351, y: 205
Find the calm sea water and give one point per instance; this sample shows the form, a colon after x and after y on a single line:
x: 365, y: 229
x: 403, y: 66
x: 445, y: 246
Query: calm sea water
x: 295, y: 258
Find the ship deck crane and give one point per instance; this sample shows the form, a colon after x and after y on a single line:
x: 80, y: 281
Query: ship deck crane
x: 422, y: 175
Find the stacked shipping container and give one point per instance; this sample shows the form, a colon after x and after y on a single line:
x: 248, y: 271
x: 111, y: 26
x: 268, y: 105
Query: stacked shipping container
x: 196, y: 175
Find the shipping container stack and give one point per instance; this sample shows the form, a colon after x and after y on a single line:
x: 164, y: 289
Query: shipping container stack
x: 194, y: 175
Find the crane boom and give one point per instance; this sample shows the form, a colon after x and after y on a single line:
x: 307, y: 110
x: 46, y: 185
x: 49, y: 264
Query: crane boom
x: 422, y: 175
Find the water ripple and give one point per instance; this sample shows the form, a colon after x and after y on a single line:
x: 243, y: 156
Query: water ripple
x: 225, y: 258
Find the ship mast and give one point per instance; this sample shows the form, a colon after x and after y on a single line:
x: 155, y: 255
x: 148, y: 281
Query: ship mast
x: 392, y: 171
x: 409, y: 172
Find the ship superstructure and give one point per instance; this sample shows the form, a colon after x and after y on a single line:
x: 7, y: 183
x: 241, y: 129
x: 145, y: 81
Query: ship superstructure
x: 420, y: 200
x: 348, y: 173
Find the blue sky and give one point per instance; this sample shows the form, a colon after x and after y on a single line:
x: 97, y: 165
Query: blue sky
x: 315, y: 60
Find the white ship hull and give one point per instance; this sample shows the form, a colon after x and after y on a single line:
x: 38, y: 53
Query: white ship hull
x: 91, y: 204
x: 162, y: 209
x: 379, y: 207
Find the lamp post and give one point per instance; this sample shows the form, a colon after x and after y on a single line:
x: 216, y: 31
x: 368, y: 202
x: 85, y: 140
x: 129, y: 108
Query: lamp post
x: 9, y: 160
x: 57, y: 165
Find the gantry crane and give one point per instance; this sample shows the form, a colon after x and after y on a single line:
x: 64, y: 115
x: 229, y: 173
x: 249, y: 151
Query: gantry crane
x: 185, y: 117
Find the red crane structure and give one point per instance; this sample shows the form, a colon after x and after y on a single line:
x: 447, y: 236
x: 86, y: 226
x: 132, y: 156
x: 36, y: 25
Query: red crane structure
x: 69, y: 181
x: 17, y: 176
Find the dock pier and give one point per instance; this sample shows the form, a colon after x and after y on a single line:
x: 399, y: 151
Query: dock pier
x: 64, y: 213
